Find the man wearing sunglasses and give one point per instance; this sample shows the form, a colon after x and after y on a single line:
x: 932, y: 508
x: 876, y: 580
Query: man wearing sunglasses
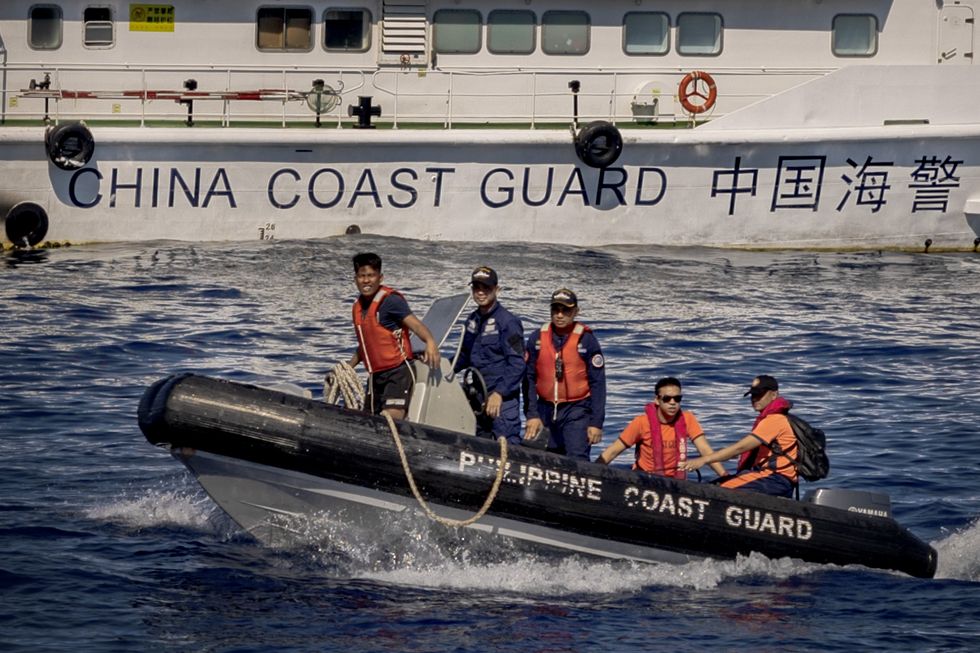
x: 661, y: 435
x: 493, y: 343
x: 759, y: 468
x: 566, y: 381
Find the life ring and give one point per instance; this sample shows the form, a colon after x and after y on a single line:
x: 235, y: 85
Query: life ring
x: 599, y: 144
x: 70, y: 145
x: 26, y: 224
x: 689, y: 87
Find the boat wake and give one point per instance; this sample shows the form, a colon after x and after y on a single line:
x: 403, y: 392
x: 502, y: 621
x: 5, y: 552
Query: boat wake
x: 959, y: 554
x: 413, y: 551
x: 182, y: 508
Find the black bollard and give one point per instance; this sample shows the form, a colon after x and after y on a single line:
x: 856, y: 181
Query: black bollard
x: 364, y: 111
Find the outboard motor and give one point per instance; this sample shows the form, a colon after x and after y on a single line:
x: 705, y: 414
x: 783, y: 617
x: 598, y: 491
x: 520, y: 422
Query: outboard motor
x: 873, y: 504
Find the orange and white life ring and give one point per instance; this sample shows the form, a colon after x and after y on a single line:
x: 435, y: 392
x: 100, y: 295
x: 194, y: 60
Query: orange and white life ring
x: 691, y: 87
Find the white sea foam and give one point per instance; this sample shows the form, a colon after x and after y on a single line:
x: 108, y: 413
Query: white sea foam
x: 411, y: 550
x: 528, y: 574
x: 959, y: 554
x: 158, y: 507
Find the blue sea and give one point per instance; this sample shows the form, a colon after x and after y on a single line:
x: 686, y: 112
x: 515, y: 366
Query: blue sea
x: 109, y: 544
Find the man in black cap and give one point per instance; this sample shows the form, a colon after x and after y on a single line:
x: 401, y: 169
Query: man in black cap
x: 493, y: 343
x: 566, y: 381
x: 759, y: 467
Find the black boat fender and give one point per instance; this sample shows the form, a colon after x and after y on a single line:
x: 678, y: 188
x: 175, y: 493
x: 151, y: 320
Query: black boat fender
x: 598, y: 144
x: 70, y: 145
x: 26, y: 224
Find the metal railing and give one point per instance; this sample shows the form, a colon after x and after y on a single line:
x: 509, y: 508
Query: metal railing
x: 449, y: 98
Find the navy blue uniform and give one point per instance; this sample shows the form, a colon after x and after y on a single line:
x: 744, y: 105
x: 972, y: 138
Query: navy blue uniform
x: 568, y: 422
x: 494, y: 344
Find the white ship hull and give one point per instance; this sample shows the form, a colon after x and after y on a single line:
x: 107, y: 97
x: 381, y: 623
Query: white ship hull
x: 815, y: 152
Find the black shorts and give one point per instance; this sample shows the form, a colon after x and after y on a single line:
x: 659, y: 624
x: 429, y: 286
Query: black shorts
x: 390, y: 389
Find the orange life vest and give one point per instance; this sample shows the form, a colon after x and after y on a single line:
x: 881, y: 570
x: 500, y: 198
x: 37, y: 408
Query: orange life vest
x: 657, y: 443
x: 574, y: 382
x: 380, y: 348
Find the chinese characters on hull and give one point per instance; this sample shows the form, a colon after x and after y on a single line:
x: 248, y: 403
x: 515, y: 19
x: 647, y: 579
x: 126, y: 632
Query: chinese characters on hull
x: 799, y: 182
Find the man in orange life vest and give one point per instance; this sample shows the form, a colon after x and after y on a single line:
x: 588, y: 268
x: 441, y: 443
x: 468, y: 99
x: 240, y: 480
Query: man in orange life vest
x: 759, y: 468
x: 661, y: 434
x: 566, y: 381
x: 382, y: 320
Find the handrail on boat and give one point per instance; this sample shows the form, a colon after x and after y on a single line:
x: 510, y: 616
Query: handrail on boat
x: 522, y: 97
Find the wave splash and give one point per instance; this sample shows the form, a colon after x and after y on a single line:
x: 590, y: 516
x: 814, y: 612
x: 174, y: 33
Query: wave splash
x: 959, y: 554
x: 183, y: 508
x: 411, y: 550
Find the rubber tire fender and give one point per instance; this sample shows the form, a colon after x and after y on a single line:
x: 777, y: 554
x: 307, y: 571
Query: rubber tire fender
x: 26, y: 222
x: 70, y: 145
x: 599, y: 144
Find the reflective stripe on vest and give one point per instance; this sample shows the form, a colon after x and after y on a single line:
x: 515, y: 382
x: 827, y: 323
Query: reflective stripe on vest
x: 381, y: 349
x: 574, y: 384
x: 657, y: 442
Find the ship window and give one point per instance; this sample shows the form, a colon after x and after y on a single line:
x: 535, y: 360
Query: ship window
x: 699, y: 34
x: 284, y: 28
x: 510, y: 31
x: 855, y: 36
x: 45, y: 27
x: 457, y: 31
x: 646, y: 32
x: 347, y: 30
x: 565, y: 32
x: 99, y: 30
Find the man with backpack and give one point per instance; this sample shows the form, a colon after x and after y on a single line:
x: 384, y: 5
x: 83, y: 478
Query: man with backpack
x: 768, y: 455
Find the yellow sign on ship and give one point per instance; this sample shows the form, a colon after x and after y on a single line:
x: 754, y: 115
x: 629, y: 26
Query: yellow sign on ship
x: 151, y: 18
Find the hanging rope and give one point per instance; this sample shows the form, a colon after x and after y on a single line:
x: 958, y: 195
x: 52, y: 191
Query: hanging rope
x: 343, y: 381
x: 418, y: 495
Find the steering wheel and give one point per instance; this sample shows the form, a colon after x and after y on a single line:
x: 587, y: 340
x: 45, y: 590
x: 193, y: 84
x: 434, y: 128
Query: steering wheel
x: 475, y: 389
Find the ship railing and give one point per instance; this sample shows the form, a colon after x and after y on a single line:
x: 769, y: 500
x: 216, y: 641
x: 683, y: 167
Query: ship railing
x: 407, y: 96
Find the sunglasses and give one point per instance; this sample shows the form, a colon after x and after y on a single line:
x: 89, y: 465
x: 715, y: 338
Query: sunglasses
x: 669, y: 398
x: 757, y: 394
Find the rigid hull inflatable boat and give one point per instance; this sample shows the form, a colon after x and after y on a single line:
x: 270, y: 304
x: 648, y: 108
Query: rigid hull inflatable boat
x: 266, y: 456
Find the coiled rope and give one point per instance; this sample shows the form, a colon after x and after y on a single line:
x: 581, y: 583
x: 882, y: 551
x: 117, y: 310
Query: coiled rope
x: 343, y: 381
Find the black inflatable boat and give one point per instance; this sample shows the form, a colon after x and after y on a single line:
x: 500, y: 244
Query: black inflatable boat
x: 267, y: 456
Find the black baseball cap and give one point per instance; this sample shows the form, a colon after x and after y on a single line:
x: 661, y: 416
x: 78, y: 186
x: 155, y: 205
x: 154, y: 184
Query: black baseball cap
x: 564, y: 297
x: 765, y: 383
x: 484, y: 275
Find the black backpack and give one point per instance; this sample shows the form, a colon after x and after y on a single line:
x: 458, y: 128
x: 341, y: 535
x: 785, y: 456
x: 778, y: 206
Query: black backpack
x: 811, y: 449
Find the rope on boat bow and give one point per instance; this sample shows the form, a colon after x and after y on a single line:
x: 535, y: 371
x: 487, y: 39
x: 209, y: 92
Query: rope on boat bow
x: 418, y: 495
x: 343, y: 381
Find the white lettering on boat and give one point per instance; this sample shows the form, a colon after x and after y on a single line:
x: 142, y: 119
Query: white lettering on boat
x: 653, y: 501
x: 765, y: 522
x: 869, y: 511
x: 535, y: 477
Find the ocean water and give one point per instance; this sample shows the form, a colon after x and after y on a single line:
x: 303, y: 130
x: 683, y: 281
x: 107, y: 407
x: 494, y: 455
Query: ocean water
x: 108, y: 544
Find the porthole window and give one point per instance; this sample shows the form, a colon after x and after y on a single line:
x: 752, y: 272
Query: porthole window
x: 699, y: 34
x: 98, y: 28
x: 347, y: 30
x: 646, y: 32
x: 45, y: 29
x: 457, y: 31
x: 510, y: 31
x: 855, y: 36
x: 285, y: 29
x: 565, y: 32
